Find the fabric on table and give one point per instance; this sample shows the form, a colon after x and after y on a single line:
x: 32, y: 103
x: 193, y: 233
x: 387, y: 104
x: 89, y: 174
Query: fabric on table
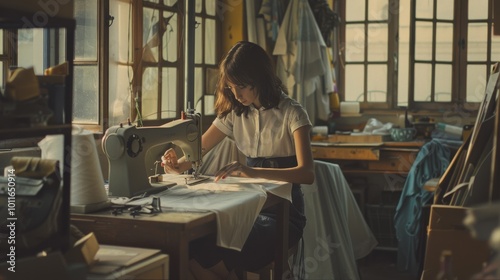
x: 236, y: 202
x: 336, y: 233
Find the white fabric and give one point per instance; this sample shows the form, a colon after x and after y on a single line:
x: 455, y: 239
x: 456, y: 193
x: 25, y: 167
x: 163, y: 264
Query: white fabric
x: 303, y: 63
x: 265, y: 133
x: 236, y: 202
x: 219, y: 156
x: 336, y: 233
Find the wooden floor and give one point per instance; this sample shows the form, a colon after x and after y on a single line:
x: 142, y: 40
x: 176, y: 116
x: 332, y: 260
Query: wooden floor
x: 381, y: 265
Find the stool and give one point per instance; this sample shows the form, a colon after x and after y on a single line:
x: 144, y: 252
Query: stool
x: 266, y: 272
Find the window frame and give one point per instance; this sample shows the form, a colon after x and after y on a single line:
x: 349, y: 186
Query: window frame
x: 459, y: 61
x: 179, y: 64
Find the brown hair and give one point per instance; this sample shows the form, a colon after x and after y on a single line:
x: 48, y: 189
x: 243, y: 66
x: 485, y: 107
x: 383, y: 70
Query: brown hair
x: 247, y: 64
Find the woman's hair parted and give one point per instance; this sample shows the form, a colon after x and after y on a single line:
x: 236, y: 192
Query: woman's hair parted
x: 247, y: 64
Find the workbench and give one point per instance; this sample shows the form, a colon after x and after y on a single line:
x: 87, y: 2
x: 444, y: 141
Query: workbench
x: 173, y: 229
x: 361, y: 161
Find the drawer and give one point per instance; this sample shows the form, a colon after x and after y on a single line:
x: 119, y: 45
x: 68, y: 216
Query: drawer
x: 345, y: 153
x: 393, y: 161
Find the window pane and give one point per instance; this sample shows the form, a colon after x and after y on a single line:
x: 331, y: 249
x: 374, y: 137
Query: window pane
x: 198, y: 49
x: 477, y: 41
x: 377, y: 42
x: 444, y: 9
x: 422, y: 81
x: 355, y: 10
x: 211, y: 78
x: 476, y: 82
x: 62, y: 46
x: 423, y: 41
x: 444, y: 41
x: 119, y: 93
x: 377, y: 10
x: 209, y: 98
x: 86, y: 30
x: 25, y: 47
x: 149, y: 93
x: 210, y: 57
x: 424, y: 9
x: 478, y: 9
x: 170, y: 37
x: 1, y: 41
x: 168, y: 92
x: 377, y: 83
x: 198, y: 88
x: 403, y: 59
x: 2, y: 82
x: 210, y: 5
x: 442, y: 87
x: 150, y: 28
x: 169, y: 3
x: 495, y: 48
x: 354, y: 82
x: 86, y: 94
x: 30, y: 54
x: 198, y: 6
x: 355, y: 42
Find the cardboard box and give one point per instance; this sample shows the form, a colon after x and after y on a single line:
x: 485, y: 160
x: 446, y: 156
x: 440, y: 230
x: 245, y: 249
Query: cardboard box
x: 447, y: 232
x: 84, y: 250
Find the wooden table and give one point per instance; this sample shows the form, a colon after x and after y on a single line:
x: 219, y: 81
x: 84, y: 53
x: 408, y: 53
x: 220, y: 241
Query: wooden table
x: 172, y: 231
x: 383, y: 157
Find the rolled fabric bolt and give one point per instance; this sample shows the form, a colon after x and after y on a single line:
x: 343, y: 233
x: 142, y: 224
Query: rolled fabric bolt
x: 451, y: 129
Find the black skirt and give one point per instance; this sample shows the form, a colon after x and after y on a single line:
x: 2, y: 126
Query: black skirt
x: 259, y: 248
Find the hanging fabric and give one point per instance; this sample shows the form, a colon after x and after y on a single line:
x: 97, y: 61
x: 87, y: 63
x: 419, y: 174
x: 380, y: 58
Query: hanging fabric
x: 325, y: 18
x: 303, y: 61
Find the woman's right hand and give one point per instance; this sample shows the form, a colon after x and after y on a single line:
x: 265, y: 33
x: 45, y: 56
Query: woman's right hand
x: 170, y: 162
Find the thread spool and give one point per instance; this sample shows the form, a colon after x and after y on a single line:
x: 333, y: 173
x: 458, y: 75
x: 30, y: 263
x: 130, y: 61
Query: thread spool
x: 349, y: 108
x: 87, y: 181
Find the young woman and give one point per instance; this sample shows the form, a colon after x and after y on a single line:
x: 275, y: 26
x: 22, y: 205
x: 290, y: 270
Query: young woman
x: 272, y: 131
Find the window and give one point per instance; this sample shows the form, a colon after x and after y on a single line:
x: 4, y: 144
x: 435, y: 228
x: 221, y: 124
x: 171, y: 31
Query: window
x: 129, y: 59
x: 86, y: 89
x: 421, y: 54
x: 158, y: 81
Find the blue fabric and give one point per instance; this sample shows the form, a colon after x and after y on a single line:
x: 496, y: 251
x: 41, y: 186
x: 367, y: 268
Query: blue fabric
x: 431, y: 162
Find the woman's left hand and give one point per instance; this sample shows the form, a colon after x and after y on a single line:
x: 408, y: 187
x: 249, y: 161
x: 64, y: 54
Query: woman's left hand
x: 233, y: 169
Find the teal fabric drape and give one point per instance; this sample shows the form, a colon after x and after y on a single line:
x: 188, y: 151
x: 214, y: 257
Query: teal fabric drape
x: 431, y: 162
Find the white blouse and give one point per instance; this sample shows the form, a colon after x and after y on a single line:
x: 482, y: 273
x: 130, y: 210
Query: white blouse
x: 265, y: 133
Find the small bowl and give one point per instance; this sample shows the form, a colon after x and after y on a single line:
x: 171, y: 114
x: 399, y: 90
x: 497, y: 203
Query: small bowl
x: 403, y: 134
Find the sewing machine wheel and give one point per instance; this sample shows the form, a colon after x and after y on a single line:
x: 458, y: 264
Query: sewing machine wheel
x: 134, y: 145
x: 114, y: 146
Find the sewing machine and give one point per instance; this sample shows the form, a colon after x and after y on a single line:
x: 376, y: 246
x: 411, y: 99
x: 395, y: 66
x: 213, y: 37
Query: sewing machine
x: 126, y: 145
